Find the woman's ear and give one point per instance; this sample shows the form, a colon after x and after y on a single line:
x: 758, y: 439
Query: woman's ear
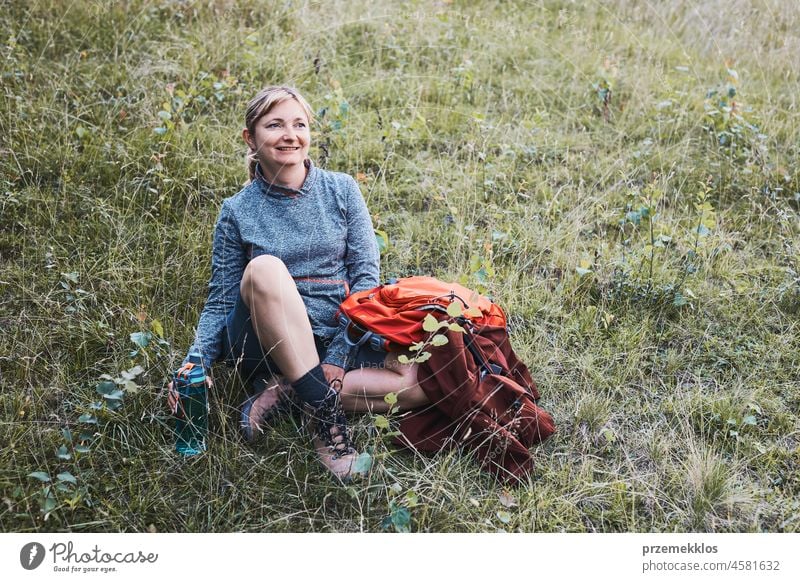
x: 248, y: 139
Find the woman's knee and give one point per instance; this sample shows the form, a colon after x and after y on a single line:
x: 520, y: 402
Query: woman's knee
x: 261, y: 275
x: 412, y: 397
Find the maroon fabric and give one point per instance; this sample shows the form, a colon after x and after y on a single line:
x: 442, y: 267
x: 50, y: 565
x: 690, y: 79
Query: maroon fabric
x: 496, y: 416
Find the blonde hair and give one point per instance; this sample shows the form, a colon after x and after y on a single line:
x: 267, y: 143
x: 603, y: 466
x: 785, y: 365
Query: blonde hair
x: 260, y: 105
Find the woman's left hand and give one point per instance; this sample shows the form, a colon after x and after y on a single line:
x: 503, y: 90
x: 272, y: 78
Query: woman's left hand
x: 333, y: 373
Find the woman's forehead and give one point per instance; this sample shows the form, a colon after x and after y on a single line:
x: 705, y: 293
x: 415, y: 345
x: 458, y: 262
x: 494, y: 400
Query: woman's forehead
x: 287, y: 109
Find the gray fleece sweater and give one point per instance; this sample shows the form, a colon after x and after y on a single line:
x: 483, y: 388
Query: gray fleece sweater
x: 324, y: 235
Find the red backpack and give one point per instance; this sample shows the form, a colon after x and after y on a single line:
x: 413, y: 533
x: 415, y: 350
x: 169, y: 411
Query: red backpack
x: 482, y: 395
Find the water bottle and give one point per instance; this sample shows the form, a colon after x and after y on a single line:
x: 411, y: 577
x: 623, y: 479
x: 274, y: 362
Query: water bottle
x: 191, y: 418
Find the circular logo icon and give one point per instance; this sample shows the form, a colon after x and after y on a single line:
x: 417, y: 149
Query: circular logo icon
x: 31, y: 556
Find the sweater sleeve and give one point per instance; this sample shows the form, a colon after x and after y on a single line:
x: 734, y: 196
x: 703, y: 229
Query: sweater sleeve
x: 227, y: 267
x: 362, y: 260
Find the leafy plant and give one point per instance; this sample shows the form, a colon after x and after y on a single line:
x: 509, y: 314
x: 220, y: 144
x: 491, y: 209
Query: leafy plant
x: 730, y: 123
x: 603, y: 89
x: 645, y: 273
x: 187, y: 103
x: 437, y: 330
x: 400, y: 505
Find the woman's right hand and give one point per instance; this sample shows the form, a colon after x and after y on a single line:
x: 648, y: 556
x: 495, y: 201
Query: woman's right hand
x: 173, y: 397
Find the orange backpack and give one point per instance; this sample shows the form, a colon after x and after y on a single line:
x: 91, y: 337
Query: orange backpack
x: 389, y: 317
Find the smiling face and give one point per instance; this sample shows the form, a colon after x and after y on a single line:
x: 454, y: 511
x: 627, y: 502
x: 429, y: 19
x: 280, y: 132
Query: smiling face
x: 280, y: 138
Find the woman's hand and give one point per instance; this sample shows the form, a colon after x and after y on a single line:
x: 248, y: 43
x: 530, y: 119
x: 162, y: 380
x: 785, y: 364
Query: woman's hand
x: 172, y: 395
x: 333, y: 373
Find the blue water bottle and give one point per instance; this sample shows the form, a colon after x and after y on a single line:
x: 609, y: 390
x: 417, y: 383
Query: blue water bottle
x: 191, y: 417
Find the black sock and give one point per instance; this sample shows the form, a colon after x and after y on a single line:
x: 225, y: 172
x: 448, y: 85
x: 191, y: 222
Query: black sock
x: 312, y: 388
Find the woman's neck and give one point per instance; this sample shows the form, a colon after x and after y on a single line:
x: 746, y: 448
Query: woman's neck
x: 287, y: 177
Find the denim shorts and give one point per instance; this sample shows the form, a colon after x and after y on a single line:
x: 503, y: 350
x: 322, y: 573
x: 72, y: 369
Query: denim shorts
x: 241, y: 348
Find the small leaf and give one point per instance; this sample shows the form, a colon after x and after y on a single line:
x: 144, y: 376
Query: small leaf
x: 49, y: 503
x: 106, y: 388
x: 363, y: 463
x: 82, y: 449
x: 455, y: 309
x: 130, y: 386
x: 67, y: 434
x: 390, y: 399
x: 415, y: 347
x: 457, y: 328
x: 703, y: 230
x: 439, y: 340
x: 430, y: 323
x: 584, y: 267
x: 63, y: 453
x: 401, y: 518
x: 608, y: 435
x: 67, y: 477
x: 381, y: 422
x: 504, y: 516
x: 411, y: 498
x: 403, y: 359
x: 383, y: 241
x: 157, y: 328
x: 473, y: 312
x: 132, y: 373
x: 87, y: 419
x: 423, y: 357
x: 40, y: 475
x: 141, y: 338
x: 749, y: 419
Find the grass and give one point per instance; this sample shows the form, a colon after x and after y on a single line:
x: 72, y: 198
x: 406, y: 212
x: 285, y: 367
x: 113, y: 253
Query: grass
x: 570, y: 159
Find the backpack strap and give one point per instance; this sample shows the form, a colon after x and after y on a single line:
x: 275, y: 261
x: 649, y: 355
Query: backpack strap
x: 376, y: 342
x: 485, y: 367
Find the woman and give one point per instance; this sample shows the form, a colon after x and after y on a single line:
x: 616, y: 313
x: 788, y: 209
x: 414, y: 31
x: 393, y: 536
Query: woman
x: 288, y: 248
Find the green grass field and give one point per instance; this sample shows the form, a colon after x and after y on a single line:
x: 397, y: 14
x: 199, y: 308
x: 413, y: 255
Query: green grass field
x: 621, y: 176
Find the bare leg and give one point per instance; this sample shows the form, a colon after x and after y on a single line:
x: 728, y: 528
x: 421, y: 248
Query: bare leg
x: 279, y: 316
x: 281, y: 323
x: 363, y: 389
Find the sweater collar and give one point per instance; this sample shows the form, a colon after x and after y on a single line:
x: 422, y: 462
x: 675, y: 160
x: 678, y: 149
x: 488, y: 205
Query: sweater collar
x: 276, y: 191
